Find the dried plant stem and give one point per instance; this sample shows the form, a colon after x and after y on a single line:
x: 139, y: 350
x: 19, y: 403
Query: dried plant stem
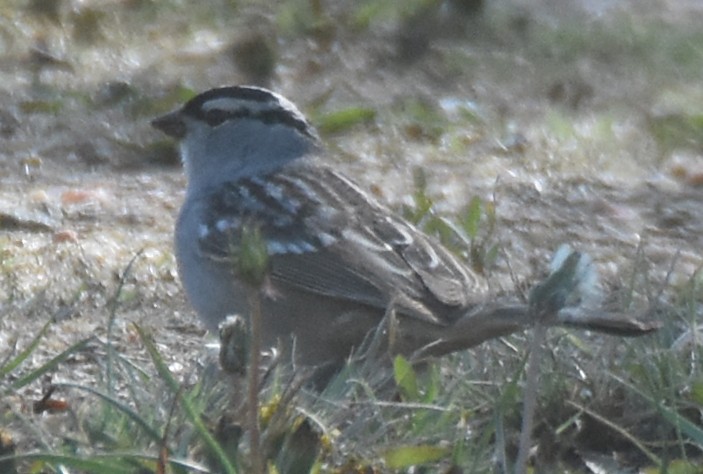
x: 257, y: 463
x: 529, y: 403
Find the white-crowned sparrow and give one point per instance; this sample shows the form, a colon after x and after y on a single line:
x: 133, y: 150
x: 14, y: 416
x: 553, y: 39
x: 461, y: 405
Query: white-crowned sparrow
x: 338, y: 259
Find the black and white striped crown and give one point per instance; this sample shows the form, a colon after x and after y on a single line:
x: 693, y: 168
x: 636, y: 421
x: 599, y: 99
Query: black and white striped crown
x: 218, y: 105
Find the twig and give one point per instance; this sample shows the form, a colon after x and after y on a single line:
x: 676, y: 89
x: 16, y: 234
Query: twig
x: 530, y: 396
x: 620, y: 430
x: 253, y: 389
x: 113, y: 304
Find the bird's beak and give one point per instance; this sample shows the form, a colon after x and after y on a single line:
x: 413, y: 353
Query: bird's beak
x: 171, y: 124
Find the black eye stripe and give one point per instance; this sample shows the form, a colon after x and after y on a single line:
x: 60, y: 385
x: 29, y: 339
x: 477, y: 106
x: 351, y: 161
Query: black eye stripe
x: 215, y: 117
x: 285, y: 118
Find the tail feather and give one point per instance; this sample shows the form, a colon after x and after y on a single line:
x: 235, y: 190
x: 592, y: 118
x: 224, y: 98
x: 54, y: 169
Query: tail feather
x: 571, y: 296
x: 616, y: 324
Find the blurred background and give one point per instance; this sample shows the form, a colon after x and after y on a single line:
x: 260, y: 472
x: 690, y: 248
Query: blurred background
x: 534, y: 122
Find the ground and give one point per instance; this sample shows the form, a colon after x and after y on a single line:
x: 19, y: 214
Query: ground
x: 580, y: 124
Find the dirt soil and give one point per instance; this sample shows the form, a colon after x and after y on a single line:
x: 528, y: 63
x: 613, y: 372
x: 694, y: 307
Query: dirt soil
x: 559, y: 135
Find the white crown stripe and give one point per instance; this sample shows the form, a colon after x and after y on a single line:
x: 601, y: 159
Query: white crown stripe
x: 253, y: 104
x: 232, y: 105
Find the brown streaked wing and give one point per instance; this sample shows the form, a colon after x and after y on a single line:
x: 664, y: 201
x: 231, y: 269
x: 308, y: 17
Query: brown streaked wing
x: 379, y: 257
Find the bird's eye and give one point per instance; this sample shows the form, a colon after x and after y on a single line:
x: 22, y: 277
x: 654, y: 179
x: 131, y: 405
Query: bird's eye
x: 215, y: 117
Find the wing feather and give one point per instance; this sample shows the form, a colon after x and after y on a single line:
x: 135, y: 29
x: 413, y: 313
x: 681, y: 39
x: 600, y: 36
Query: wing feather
x: 326, y: 236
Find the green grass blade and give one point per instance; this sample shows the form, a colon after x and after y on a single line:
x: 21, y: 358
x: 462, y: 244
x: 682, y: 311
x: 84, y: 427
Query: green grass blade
x: 684, y: 424
x: 22, y: 356
x: 406, y: 456
x: 112, y: 463
x: 113, y: 305
x: 620, y: 430
x: 103, y: 466
x: 50, y: 365
x: 190, y: 410
x: 341, y: 120
x: 136, y: 417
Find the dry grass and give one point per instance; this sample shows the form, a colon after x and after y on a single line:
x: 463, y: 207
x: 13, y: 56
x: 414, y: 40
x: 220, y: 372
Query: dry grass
x: 585, y: 132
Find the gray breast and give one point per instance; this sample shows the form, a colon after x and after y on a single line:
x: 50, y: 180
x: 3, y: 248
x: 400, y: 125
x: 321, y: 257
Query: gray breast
x: 208, y: 284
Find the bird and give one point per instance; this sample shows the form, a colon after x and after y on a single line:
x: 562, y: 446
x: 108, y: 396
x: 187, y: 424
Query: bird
x: 340, y: 264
